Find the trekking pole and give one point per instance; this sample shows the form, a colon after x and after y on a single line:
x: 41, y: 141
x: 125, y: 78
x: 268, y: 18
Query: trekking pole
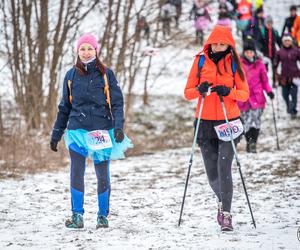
x: 236, y: 158
x: 277, y: 101
x: 191, y: 157
x: 274, y: 119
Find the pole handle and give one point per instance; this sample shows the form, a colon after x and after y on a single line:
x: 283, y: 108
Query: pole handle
x: 221, y: 98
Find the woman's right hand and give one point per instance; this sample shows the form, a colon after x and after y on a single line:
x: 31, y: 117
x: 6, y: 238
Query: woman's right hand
x: 203, y: 87
x: 53, y: 145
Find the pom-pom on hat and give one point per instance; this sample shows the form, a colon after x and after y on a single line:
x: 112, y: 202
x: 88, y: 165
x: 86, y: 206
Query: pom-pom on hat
x: 87, y: 38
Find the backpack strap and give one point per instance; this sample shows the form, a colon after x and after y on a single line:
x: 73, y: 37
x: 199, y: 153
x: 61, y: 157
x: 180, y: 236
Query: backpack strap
x: 233, y: 68
x: 70, y: 78
x: 200, y: 65
x: 106, y: 92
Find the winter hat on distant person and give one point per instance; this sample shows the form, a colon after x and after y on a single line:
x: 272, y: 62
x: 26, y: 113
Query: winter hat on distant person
x: 287, y: 36
x: 87, y: 38
x: 249, y: 44
x: 293, y: 7
x: 259, y: 10
x: 269, y: 19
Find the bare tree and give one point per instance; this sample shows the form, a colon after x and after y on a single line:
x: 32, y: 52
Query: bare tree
x: 34, y: 44
x: 1, y: 123
x: 122, y: 46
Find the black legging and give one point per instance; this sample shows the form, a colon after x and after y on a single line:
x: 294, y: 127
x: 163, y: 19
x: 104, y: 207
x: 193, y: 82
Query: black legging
x: 252, y: 135
x: 290, y: 90
x: 217, y: 156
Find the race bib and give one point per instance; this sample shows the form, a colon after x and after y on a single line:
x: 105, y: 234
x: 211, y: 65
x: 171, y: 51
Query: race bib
x: 98, y: 139
x: 223, y: 131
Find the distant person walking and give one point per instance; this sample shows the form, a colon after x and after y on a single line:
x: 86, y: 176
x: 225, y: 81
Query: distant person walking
x: 257, y: 78
x: 289, y: 57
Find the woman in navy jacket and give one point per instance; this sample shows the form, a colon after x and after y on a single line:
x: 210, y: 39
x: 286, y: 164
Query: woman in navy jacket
x: 91, y: 109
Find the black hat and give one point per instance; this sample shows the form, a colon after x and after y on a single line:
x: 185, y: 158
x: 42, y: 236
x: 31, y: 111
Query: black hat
x: 259, y: 10
x: 249, y: 44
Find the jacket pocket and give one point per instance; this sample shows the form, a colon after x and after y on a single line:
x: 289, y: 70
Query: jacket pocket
x: 101, y: 118
x: 103, y: 111
x: 79, y: 119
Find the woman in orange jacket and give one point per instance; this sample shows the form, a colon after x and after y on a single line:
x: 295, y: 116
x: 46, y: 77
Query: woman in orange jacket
x: 218, y: 73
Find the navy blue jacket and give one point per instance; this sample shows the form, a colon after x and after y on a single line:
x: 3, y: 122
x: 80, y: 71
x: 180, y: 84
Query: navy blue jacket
x: 89, y: 109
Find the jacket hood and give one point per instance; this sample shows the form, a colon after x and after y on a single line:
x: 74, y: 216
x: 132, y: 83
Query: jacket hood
x: 220, y: 34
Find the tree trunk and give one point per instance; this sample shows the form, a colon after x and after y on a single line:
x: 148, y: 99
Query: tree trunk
x: 1, y: 124
x: 145, y: 97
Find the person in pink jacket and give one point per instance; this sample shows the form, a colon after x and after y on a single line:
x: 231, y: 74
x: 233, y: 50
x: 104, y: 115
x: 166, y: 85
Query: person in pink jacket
x: 258, y: 82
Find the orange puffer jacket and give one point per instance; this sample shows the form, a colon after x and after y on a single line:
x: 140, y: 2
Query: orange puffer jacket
x: 296, y: 30
x: 212, y: 109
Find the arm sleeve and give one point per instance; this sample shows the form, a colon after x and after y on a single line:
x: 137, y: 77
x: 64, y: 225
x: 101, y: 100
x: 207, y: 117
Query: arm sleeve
x: 295, y: 27
x: 284, y: 27
x: 298, y: 54
x: 64, y: 109
x: 276, y: 60
x: 278, y: 39
x: 190, y: 91
x: 117, y: 100
x: 241, y: 90
x: 264, y: 79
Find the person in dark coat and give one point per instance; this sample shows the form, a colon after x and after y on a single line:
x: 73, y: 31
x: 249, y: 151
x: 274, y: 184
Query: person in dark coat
x: 178, y: 6
x: 142, y: 25
x: 269, y: 39
x: 288, y: 56
x: 289, y: 21
x: 91, y: 108
x: 255, y: 27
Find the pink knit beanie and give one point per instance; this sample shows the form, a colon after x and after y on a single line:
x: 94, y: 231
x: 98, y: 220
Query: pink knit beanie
x: 87, y: 38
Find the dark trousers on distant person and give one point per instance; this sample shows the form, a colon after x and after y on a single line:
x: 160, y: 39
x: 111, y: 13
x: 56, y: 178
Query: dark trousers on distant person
x: 289, y: 94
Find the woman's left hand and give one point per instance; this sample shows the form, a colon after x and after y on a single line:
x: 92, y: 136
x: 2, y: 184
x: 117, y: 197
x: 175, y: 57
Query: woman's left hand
x: 119, y: 135
x: 221, y: 90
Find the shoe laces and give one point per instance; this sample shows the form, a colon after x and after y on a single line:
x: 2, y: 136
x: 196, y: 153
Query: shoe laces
x: 227, y: 215
x: 76, y: 218
x: 102, y: 219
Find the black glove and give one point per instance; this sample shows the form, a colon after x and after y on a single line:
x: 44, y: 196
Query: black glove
x: 271, y: 95
x: 203, y: 87
x: 53, y: 145
x: 119, y: 135
x: 221, y: 90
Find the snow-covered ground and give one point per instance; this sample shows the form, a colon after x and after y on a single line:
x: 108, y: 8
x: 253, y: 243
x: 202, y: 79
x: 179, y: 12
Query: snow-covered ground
x: 146, y: 197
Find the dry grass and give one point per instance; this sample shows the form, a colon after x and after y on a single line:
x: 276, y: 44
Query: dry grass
x: 25, y: 153
x: 28, y: 152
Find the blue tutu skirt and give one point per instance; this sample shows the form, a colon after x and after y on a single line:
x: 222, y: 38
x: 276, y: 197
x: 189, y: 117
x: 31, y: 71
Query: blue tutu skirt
x: 78, y: 137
